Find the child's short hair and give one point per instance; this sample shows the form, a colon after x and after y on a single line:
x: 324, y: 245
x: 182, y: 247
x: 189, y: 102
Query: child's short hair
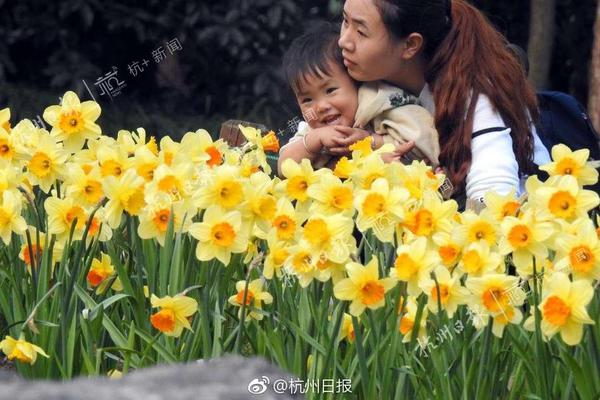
x: 311, y: 53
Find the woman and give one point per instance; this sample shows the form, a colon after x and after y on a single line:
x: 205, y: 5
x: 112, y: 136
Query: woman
x: 447, y: 52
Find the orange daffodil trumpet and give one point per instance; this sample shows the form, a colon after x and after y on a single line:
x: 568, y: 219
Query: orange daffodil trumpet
x: 173, y: 315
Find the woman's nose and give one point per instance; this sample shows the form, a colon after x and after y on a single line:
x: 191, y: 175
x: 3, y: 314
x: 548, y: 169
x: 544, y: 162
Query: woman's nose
x: 344, y: 41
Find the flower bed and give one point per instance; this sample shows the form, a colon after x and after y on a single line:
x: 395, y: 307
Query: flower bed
x: 122, y: 253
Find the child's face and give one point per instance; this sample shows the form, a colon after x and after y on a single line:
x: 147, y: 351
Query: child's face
x: 330, y: 100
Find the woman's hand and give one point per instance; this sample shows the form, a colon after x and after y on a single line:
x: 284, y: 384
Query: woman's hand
x: 398, y: 153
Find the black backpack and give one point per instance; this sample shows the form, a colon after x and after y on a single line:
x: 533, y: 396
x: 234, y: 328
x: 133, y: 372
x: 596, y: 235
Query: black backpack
x: 564, y: 120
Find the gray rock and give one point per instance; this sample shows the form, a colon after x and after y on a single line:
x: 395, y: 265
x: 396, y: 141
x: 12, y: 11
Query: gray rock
x: 225, y: 378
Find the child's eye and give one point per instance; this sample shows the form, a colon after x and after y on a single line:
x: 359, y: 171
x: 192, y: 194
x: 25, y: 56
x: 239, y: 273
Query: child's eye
x: 331, y: 90
x: 305, y: 100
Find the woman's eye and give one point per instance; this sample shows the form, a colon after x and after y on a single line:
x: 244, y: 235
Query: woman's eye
x: 344, y: 21
x: 361, y: 34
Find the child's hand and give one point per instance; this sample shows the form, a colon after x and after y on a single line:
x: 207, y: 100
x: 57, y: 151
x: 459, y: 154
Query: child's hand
x: 329, y: 138
x: 349, y: 136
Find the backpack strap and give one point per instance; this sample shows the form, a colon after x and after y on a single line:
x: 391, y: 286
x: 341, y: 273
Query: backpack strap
x: 488, y: 130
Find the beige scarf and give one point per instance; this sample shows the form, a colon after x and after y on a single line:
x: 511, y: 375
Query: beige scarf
x: 398, y: 117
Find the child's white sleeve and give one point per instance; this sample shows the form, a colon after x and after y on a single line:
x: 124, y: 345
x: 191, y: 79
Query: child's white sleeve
x: 300, y: 132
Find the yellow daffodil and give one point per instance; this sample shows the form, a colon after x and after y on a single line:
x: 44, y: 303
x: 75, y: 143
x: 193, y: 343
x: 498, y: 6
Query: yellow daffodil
x: 262, y: 204
x: 254, y: 296
x: 7, y: 147
x: 10, y: 216
x: 433, y: 215
x: 579, y: 253
x: 561, y: 197
x: 276, y: 257
x: 331, y: 196
x: 501, y: 206
x: 174, y: 313
x: 408, y: 320
x: 417, y: 178
x: 302, y: 263
x: 286, y: 222
x: 5, y: 119
x: 477, y: 260
x: 380, y: 208
x: 370, y: 170
x: 131, y: 141
x: 266, y: 143
x: 45, y: 160
x: 344, y: 168
x: 525, y: 238
x: 498, y: 294
x: 101, y: 273
x: 563, y: 308
x: 198, y: 148
x: 125, y: 193
x: 347, y: 329
x: 172, y: 181
x: 363, y: 287
x: 113, y: 160
x: 10, y: 179
x: 573, y: 163
x: 331, y: 236
x: 31, y: 253
x: 168, y: 150
x: 100, y: 270
x: 220, y: 234
x: 145, y: 163
x: 62, y: 213
x: 73, y: 121
x: 155, y: 217
x: 299, y: 177
x: 224, y: 188
x: 447, y: 293
x: 478, y: 227
x: 21, y: 350
x: 448, y: 247
x: 413, y: 265
x: 84, y: 185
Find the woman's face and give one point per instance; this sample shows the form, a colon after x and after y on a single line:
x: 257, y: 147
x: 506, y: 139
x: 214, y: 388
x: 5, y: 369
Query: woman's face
x: 370, y: 53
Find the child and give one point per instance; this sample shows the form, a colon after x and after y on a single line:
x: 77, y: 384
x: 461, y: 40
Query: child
x: 339, y: 114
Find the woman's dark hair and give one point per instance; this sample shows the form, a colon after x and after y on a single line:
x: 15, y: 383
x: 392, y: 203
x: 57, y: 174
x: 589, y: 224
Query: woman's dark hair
x: 312, y: 53
x: 466, y: 57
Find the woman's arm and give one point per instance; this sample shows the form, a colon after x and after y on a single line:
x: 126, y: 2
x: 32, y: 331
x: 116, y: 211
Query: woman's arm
x: 494, y: 164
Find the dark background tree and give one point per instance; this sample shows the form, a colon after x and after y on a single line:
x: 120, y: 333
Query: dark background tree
x: 539, y: 47
x: 229, y: 62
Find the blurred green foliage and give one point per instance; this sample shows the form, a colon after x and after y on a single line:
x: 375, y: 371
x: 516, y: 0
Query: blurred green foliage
x: 229, y: 65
